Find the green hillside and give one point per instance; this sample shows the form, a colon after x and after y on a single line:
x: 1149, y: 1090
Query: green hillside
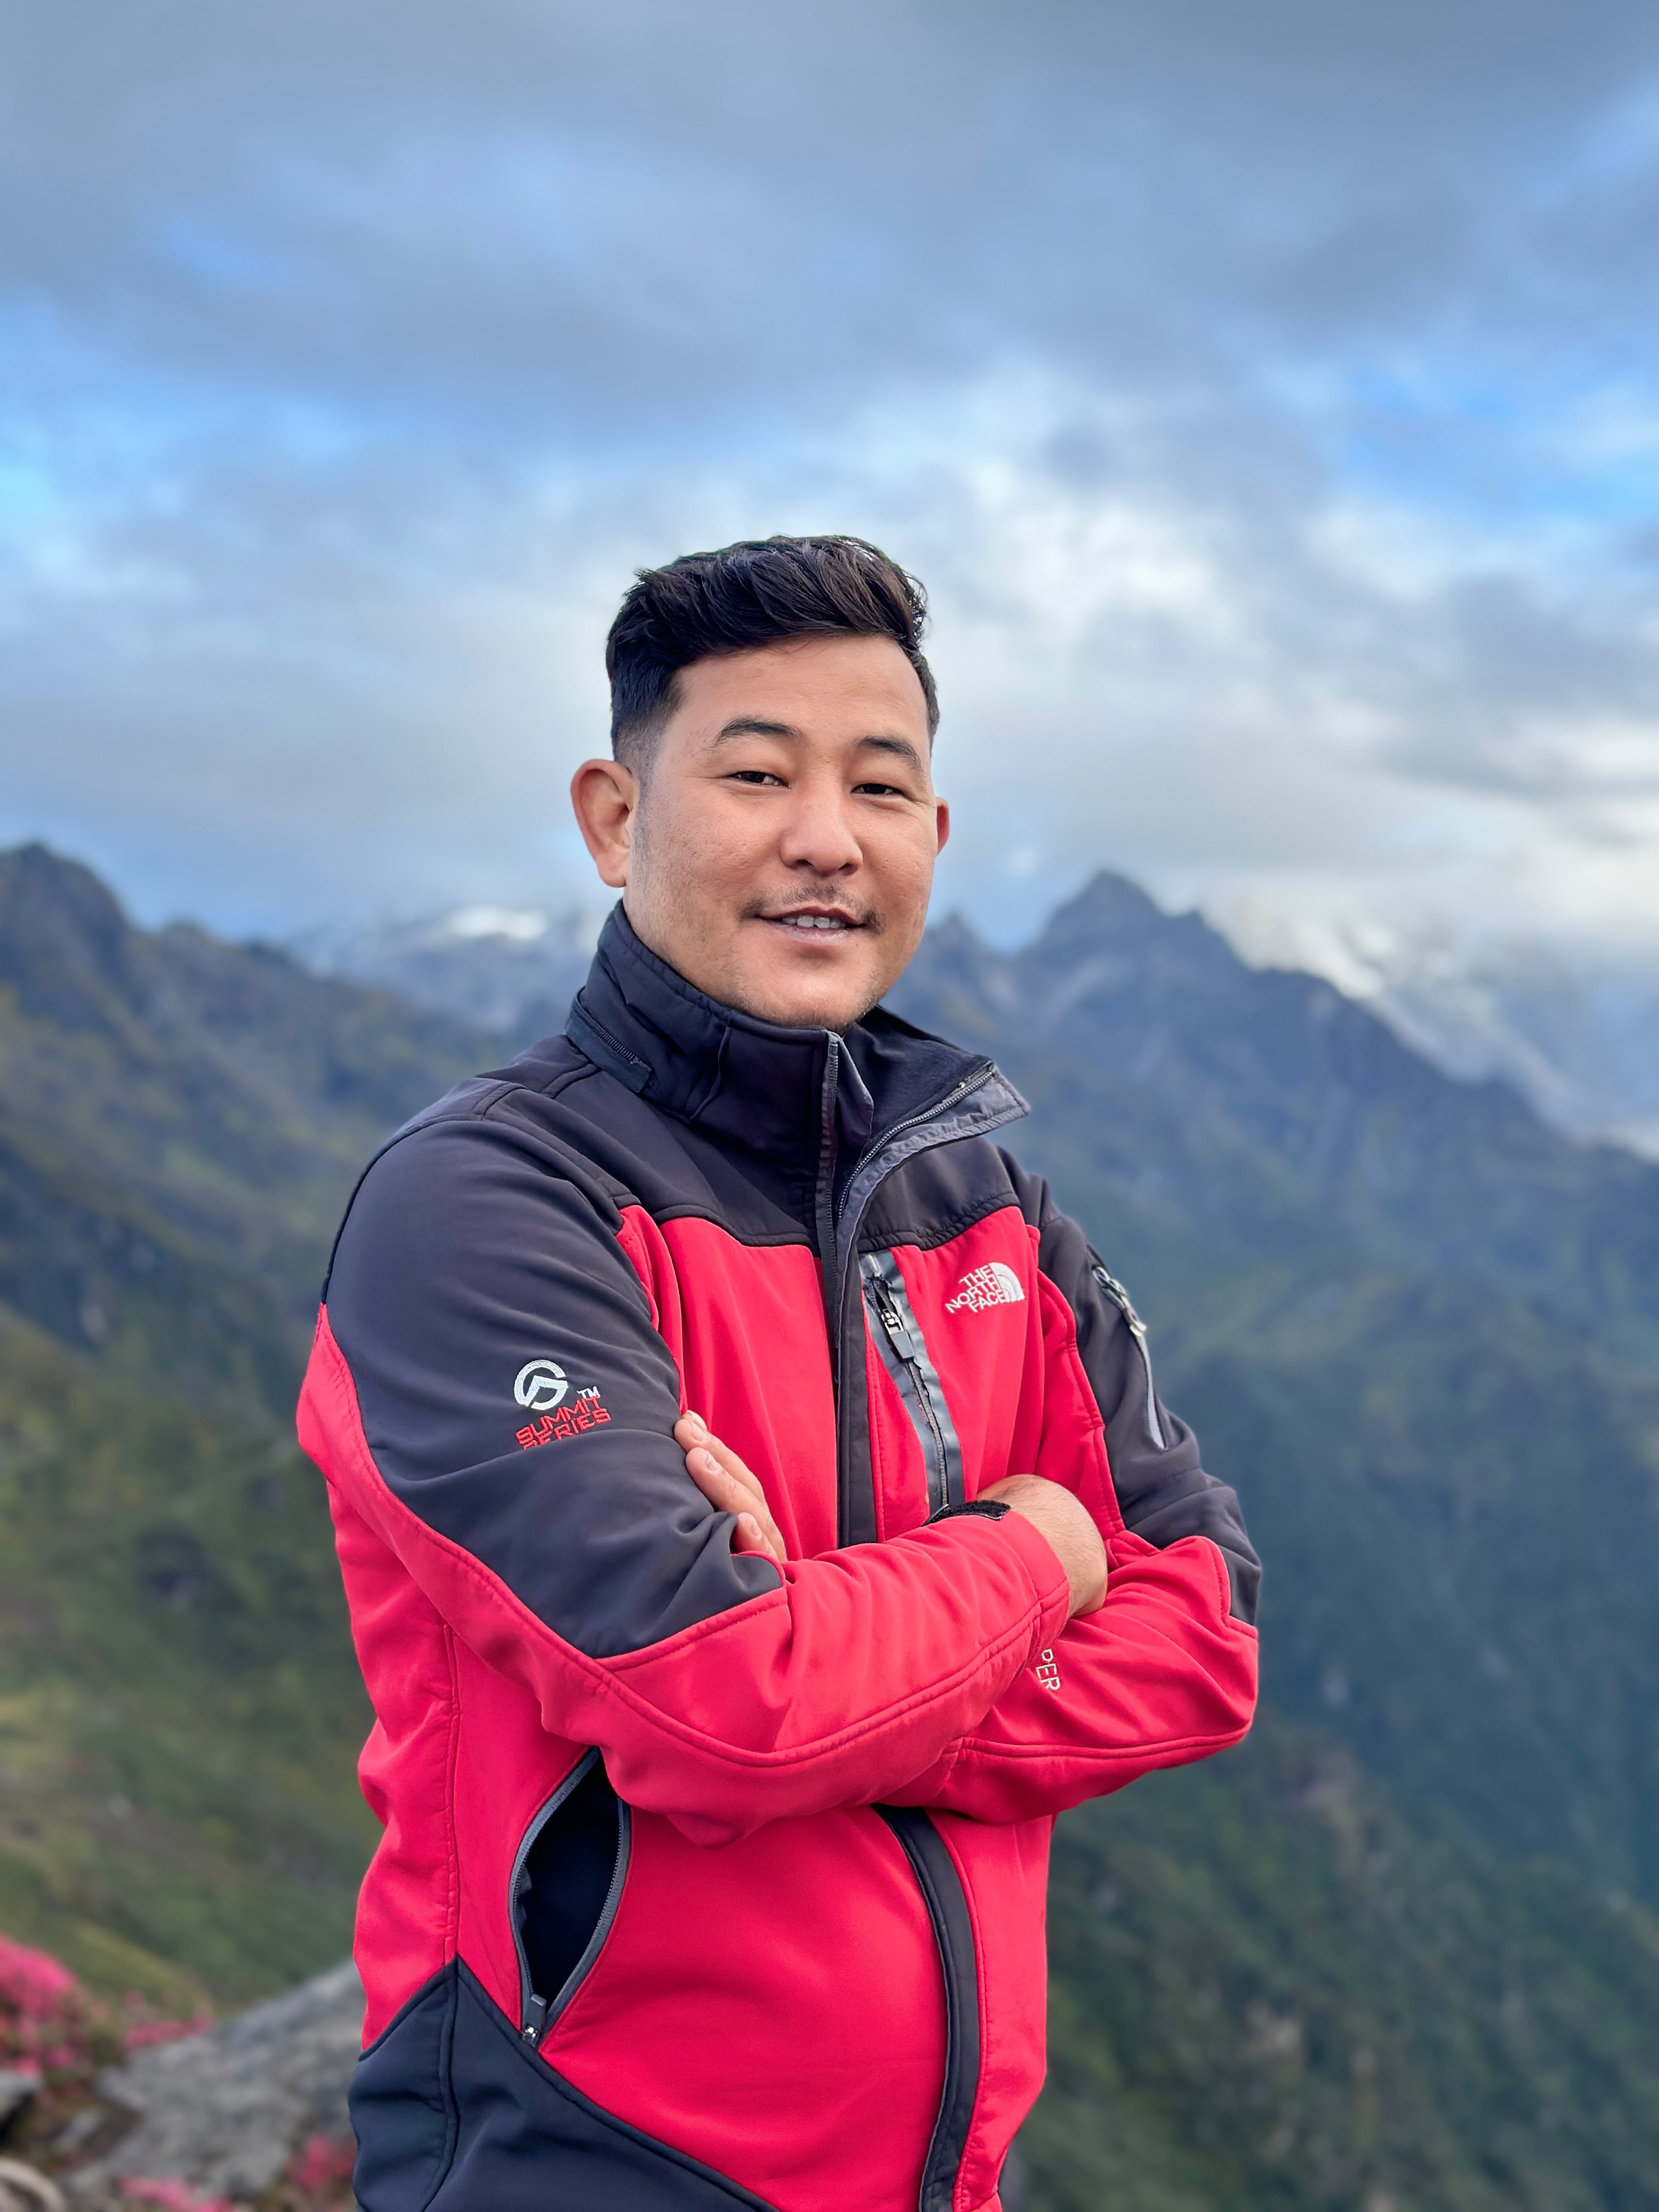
x: 1272, y: 1991
x: 1384, y: 1958
x: 180, y: 1712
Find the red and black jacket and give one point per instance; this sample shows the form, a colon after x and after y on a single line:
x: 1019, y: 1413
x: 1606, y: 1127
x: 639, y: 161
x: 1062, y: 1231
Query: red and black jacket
x: 704, y: 1885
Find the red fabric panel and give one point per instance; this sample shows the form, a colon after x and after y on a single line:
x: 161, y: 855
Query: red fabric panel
x: 408, y: 1904
x: 455, y: 1766
x: 1073, y: 1447
x: 745, y: 1326
x: 748, y: 2000
x: 506, y: 1768
x: 1161, y: 1676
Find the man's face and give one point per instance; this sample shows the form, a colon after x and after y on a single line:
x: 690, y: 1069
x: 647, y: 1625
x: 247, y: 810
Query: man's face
x: 780, y: 851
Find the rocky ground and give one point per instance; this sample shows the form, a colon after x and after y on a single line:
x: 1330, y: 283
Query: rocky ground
x: 248, y: 2114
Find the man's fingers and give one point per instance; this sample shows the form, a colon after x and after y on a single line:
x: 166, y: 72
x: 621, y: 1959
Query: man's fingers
x: 716, y: 1484
x: 748, y: 1537
x: 727, y: 1495
x: 693, y: 1433
x: 725, y: 1481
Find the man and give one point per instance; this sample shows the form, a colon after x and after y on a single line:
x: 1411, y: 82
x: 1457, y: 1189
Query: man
x: 755, y: 1514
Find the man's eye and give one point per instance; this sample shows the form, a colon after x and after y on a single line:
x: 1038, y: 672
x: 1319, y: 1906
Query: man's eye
x: 754, y: 776
x: 878, y: 790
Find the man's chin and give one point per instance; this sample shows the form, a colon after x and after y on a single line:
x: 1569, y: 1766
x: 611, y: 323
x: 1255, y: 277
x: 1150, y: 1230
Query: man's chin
x: 819, y: 1002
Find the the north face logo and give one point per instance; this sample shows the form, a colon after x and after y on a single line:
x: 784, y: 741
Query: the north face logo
x: 993, y: 1285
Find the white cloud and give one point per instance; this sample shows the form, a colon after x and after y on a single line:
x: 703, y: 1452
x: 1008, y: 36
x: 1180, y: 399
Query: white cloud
x: 1267, y: 413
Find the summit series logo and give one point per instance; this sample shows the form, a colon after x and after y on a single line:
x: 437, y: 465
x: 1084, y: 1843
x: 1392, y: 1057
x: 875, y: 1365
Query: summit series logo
x: 541, y: 1386
x: 993, y: 1285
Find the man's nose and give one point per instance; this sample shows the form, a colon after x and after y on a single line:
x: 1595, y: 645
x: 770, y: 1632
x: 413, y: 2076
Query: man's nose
x: 819, y: 834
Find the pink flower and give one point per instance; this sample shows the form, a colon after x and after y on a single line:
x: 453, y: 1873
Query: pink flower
x: 143, y: 2032
x: 33, y: 1981
x: 321, y: 2161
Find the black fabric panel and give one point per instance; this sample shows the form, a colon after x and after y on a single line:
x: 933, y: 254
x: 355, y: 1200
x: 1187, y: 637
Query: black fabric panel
x: 471, y: 1251
x: 401, y: 2105
x: 525, y: 2140
x: 567, y: 1877
x: 670, y: 1167
x: 726, y: 1126
x: 953, y: 1931
x: 742, y: 1097
x: 745, y: 1080
x: 937, y: 1195
x: 1162, y: 1491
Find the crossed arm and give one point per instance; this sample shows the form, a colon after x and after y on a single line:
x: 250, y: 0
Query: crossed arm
x: 1062, y: 1518
x: 1161, y: 1674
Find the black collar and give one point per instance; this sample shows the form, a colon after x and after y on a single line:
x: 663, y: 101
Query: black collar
x: 752, y: 1082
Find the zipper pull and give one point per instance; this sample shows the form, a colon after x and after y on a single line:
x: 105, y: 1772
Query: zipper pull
x: 1119, y: 1297
x: 1137, y: 1328
x: 536, y: 2025
x: 887, y: 1313
x: 903, y: 1342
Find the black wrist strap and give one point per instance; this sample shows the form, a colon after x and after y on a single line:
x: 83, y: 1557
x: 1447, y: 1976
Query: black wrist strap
x: 987, y: 1509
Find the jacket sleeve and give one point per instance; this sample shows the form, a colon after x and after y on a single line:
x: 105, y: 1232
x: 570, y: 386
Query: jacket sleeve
x: 488, y: 1391
x: 1165, y: 1672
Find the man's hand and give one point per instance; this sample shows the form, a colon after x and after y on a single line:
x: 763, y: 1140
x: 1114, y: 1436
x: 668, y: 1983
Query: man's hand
x: 730, y: 1487
x: 1066, y: 1522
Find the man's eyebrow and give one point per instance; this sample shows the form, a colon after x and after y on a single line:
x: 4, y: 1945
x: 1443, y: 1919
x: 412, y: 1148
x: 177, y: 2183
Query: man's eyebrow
x: 902, y: 746
x: 755, y: 725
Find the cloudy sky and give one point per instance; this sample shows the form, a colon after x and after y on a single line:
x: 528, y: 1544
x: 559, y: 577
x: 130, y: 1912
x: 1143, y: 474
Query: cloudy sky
x: 1266, y: 390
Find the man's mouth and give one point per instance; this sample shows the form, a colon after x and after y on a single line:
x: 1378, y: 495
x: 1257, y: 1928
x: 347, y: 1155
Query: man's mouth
x: 815, y: 922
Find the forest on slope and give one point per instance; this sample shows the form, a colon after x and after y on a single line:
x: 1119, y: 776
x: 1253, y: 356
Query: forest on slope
x: 1398, y: 1952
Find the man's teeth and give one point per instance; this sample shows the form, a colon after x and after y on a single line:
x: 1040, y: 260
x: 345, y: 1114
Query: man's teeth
x: 814, y: 921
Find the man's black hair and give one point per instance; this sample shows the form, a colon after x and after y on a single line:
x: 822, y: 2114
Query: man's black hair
x: 762, y: 591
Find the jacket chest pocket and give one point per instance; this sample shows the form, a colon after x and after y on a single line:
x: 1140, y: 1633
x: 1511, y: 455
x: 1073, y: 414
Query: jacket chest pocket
x: 903, y: 1349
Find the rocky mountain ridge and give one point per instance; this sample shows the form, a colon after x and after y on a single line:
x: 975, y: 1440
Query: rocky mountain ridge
x: 1573, y: 1026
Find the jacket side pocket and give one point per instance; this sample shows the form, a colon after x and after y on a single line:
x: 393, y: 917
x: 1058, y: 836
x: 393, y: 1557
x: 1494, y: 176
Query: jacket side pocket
x: 567, y: 1884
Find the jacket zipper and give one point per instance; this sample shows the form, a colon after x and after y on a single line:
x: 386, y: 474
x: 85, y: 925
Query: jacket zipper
x: 825, y: 1196
x: 537, y: 2012
x: 1137, y: 1327
x: 933, y: 1867
x: 942, y: 1892
x: 898, y: 1337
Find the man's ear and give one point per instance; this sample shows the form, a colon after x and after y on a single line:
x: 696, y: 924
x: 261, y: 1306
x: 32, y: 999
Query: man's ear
x: 606, y: 799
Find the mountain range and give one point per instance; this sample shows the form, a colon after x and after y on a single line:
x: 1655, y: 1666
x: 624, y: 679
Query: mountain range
x: 1400, y: 1951
x: 1573, y: 1029
x: 1574, y: 1026
x: 510, y: 969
